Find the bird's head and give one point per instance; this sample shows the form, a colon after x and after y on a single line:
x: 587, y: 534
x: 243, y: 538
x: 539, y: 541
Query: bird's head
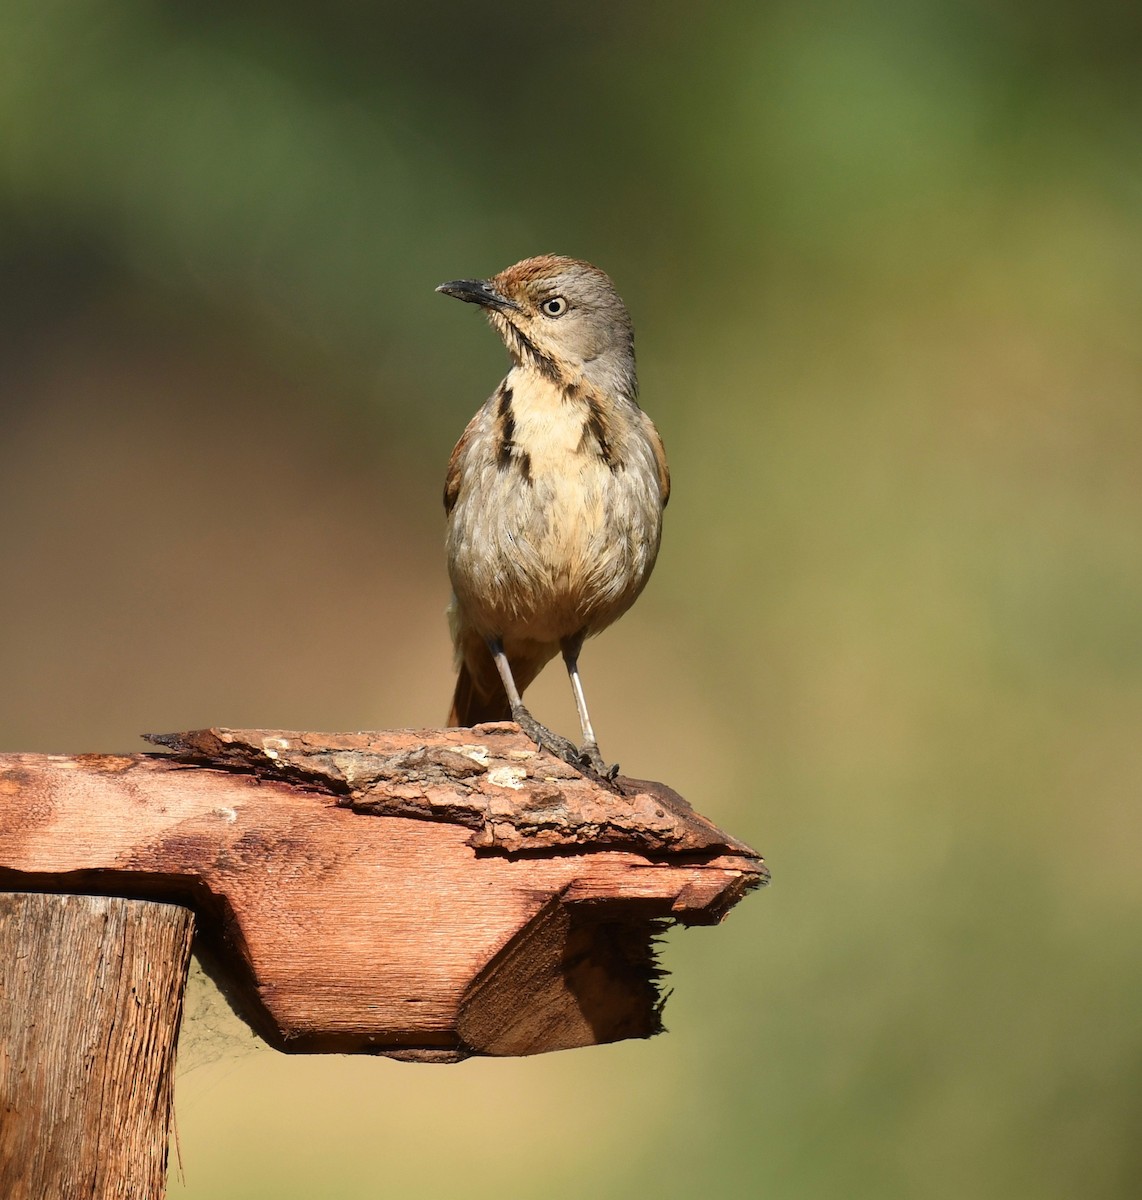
x: 561, y: 317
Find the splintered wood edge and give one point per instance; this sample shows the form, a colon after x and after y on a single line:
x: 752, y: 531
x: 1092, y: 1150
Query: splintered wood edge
x: 491, y: 779
x: 590, y: 978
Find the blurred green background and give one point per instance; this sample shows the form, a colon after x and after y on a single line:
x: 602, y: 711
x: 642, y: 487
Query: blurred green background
x: 885, y: 264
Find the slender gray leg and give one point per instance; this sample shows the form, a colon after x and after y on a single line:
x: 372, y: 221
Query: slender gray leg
x: 590, y: 751
x: 504, y: 667
x: 543, y: 737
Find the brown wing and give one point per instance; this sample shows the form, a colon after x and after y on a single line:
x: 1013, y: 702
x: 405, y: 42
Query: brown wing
x: 660, y: 460
x: 452, y: 479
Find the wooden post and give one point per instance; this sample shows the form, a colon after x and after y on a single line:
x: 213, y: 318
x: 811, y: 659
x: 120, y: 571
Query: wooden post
x: 90, y: 1001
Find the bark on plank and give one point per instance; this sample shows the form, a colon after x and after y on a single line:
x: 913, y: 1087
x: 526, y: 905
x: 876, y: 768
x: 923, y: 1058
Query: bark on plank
x: 491, y: 779
x: 408, y: 892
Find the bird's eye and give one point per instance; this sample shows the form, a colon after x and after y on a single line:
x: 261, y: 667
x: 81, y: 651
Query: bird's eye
x: 555, y: 307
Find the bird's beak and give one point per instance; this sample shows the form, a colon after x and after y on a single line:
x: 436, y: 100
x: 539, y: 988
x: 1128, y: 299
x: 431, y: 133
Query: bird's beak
x: 479, y: 291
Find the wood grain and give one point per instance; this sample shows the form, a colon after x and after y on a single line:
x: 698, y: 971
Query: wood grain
x: 90, y: 1002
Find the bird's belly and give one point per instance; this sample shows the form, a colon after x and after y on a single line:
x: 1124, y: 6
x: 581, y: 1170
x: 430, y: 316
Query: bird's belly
x: 542, y: 556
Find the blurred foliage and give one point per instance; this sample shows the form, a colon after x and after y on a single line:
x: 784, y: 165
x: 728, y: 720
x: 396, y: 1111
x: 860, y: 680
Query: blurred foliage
x: 884, y: 260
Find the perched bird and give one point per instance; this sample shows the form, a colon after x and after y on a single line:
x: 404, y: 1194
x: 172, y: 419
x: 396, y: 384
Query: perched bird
x: 554, y: 493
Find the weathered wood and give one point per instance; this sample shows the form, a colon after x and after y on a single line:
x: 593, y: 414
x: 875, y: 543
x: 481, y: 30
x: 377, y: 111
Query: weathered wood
x: 90, y: 1001
x: 517, y: 797
x: 430, y: 893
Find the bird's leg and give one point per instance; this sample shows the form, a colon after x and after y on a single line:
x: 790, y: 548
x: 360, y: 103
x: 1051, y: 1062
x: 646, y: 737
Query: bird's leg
x: 543, y: 737
x: 590, y: 751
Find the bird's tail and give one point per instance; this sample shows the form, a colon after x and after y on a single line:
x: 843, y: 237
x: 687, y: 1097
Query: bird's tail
x: 474, y: 702
x: 480, y: 694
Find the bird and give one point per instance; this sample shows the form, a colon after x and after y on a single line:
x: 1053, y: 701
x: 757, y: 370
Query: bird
x: 554, y: 494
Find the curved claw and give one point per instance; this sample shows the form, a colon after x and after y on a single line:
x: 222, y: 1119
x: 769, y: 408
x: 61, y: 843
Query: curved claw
x: 590, y: 756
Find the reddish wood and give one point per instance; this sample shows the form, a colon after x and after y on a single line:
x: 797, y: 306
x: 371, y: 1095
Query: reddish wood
x: 427, y: 893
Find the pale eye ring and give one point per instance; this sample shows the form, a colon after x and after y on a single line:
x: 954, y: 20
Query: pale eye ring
x: 556, y: 306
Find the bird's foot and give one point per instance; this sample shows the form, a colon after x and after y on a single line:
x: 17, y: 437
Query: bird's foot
x: 587, y: 760
x: 545, y: 738
x: 591, y: 757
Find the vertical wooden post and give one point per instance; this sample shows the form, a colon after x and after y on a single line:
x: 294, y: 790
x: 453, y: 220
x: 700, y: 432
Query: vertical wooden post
x: 90, y: 1000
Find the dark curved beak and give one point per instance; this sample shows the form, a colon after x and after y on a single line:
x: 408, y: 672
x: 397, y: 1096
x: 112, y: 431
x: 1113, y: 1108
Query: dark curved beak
x: 478, y: 291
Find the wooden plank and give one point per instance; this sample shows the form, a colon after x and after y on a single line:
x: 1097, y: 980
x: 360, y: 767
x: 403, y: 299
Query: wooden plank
x: 344, y: 927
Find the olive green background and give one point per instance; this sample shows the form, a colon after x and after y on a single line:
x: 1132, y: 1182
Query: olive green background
x: 884, y: 262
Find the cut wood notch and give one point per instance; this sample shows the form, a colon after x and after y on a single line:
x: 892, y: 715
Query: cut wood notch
x: 426, y: 894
